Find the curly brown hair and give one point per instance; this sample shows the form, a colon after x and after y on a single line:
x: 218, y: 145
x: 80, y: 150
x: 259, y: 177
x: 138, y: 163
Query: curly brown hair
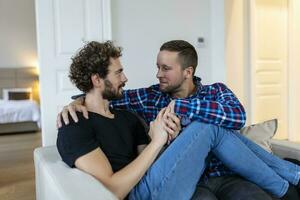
x: 91, y: 59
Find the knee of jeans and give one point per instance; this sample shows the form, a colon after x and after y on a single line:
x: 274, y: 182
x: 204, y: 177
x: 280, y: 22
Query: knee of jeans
x: 201, y: 128
x: 195, y: 125
x: 200, y: 125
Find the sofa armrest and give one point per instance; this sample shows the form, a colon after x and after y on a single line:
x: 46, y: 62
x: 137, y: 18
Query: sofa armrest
x: 56, y: 180
x: 286, y: 149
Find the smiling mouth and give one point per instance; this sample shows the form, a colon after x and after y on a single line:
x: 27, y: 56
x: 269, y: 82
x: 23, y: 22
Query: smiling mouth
x: 163, y: 83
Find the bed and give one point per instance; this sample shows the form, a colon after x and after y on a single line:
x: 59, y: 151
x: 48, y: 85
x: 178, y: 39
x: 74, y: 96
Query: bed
x: 19, y: 101
x: 19, y: 116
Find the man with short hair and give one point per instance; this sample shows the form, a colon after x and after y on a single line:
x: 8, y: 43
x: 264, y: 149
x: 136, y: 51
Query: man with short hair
x: 183, y: 92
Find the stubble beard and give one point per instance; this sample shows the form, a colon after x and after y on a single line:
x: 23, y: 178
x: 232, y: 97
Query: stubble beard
x: 110, y: 93
x: 171, y: 89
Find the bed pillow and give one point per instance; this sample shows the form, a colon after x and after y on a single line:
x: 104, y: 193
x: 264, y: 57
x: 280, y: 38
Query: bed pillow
x: 261, y: 133
x: 17, y: 94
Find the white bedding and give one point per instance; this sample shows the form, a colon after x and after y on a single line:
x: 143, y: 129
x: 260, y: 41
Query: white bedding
x: 19, y: 111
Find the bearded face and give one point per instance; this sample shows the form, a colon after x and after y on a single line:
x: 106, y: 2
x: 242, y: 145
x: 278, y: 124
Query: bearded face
x: 169, y: 72
x: 112, y: 93
x: 170, y: 87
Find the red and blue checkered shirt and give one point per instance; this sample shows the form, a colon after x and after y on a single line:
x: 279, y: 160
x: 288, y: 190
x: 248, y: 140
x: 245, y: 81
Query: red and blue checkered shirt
x: 214, y: 104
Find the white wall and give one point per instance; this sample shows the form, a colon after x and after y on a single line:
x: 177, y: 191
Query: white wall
x: 141, y: 26
x: 17, y: 35
x: 236, y: 49
x: 217, y: 47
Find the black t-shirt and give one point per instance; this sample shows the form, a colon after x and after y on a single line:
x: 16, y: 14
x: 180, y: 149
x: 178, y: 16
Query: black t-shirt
x: 118, y: 138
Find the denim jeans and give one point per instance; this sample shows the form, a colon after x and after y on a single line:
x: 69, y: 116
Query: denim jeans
x: 175, y: 174
x: 230, y: 187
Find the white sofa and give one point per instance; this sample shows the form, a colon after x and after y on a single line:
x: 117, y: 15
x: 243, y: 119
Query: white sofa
x: 55, y: 180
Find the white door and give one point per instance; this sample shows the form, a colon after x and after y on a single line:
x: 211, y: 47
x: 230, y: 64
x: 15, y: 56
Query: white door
x: 62, y: 27
x: 294, y: 70
x: 269, y: 26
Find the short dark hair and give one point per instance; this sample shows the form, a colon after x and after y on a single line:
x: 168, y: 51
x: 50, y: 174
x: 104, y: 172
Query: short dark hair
x: 187, y: 54
x: 93, y: 58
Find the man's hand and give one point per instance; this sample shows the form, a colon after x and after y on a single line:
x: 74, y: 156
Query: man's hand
x: 173, y: 125
x: 157, y: 132
x: 172, y: 106
x: 71, y: 108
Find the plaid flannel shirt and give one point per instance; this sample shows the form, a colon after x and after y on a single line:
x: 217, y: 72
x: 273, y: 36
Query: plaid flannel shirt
x: 215, y: 104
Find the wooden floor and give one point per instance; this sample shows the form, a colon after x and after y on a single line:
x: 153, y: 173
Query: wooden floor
x: 16, y: 166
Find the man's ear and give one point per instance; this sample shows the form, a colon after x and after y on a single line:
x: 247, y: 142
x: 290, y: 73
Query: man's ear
x: 189, y: 72
x: 96, y: 80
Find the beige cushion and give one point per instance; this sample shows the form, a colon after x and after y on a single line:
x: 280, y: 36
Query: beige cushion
x: 261, y: 133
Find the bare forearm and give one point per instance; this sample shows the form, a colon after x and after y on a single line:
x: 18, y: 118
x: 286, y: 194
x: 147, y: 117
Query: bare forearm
x: 121, y: 182
x: 124, y: 180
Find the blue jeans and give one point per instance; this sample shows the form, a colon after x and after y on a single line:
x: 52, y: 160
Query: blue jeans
x: 175, y: 174
x: 230, y: 187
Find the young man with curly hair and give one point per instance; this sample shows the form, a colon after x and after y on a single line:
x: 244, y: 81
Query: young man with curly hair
x: 105, y: 144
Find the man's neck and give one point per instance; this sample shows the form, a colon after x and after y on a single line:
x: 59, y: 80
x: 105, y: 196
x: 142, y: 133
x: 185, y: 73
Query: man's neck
x: 186, y: 90
x: 94, y: 102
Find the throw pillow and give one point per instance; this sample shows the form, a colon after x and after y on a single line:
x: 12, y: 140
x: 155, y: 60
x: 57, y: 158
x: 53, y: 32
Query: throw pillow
x: 261, y: 133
